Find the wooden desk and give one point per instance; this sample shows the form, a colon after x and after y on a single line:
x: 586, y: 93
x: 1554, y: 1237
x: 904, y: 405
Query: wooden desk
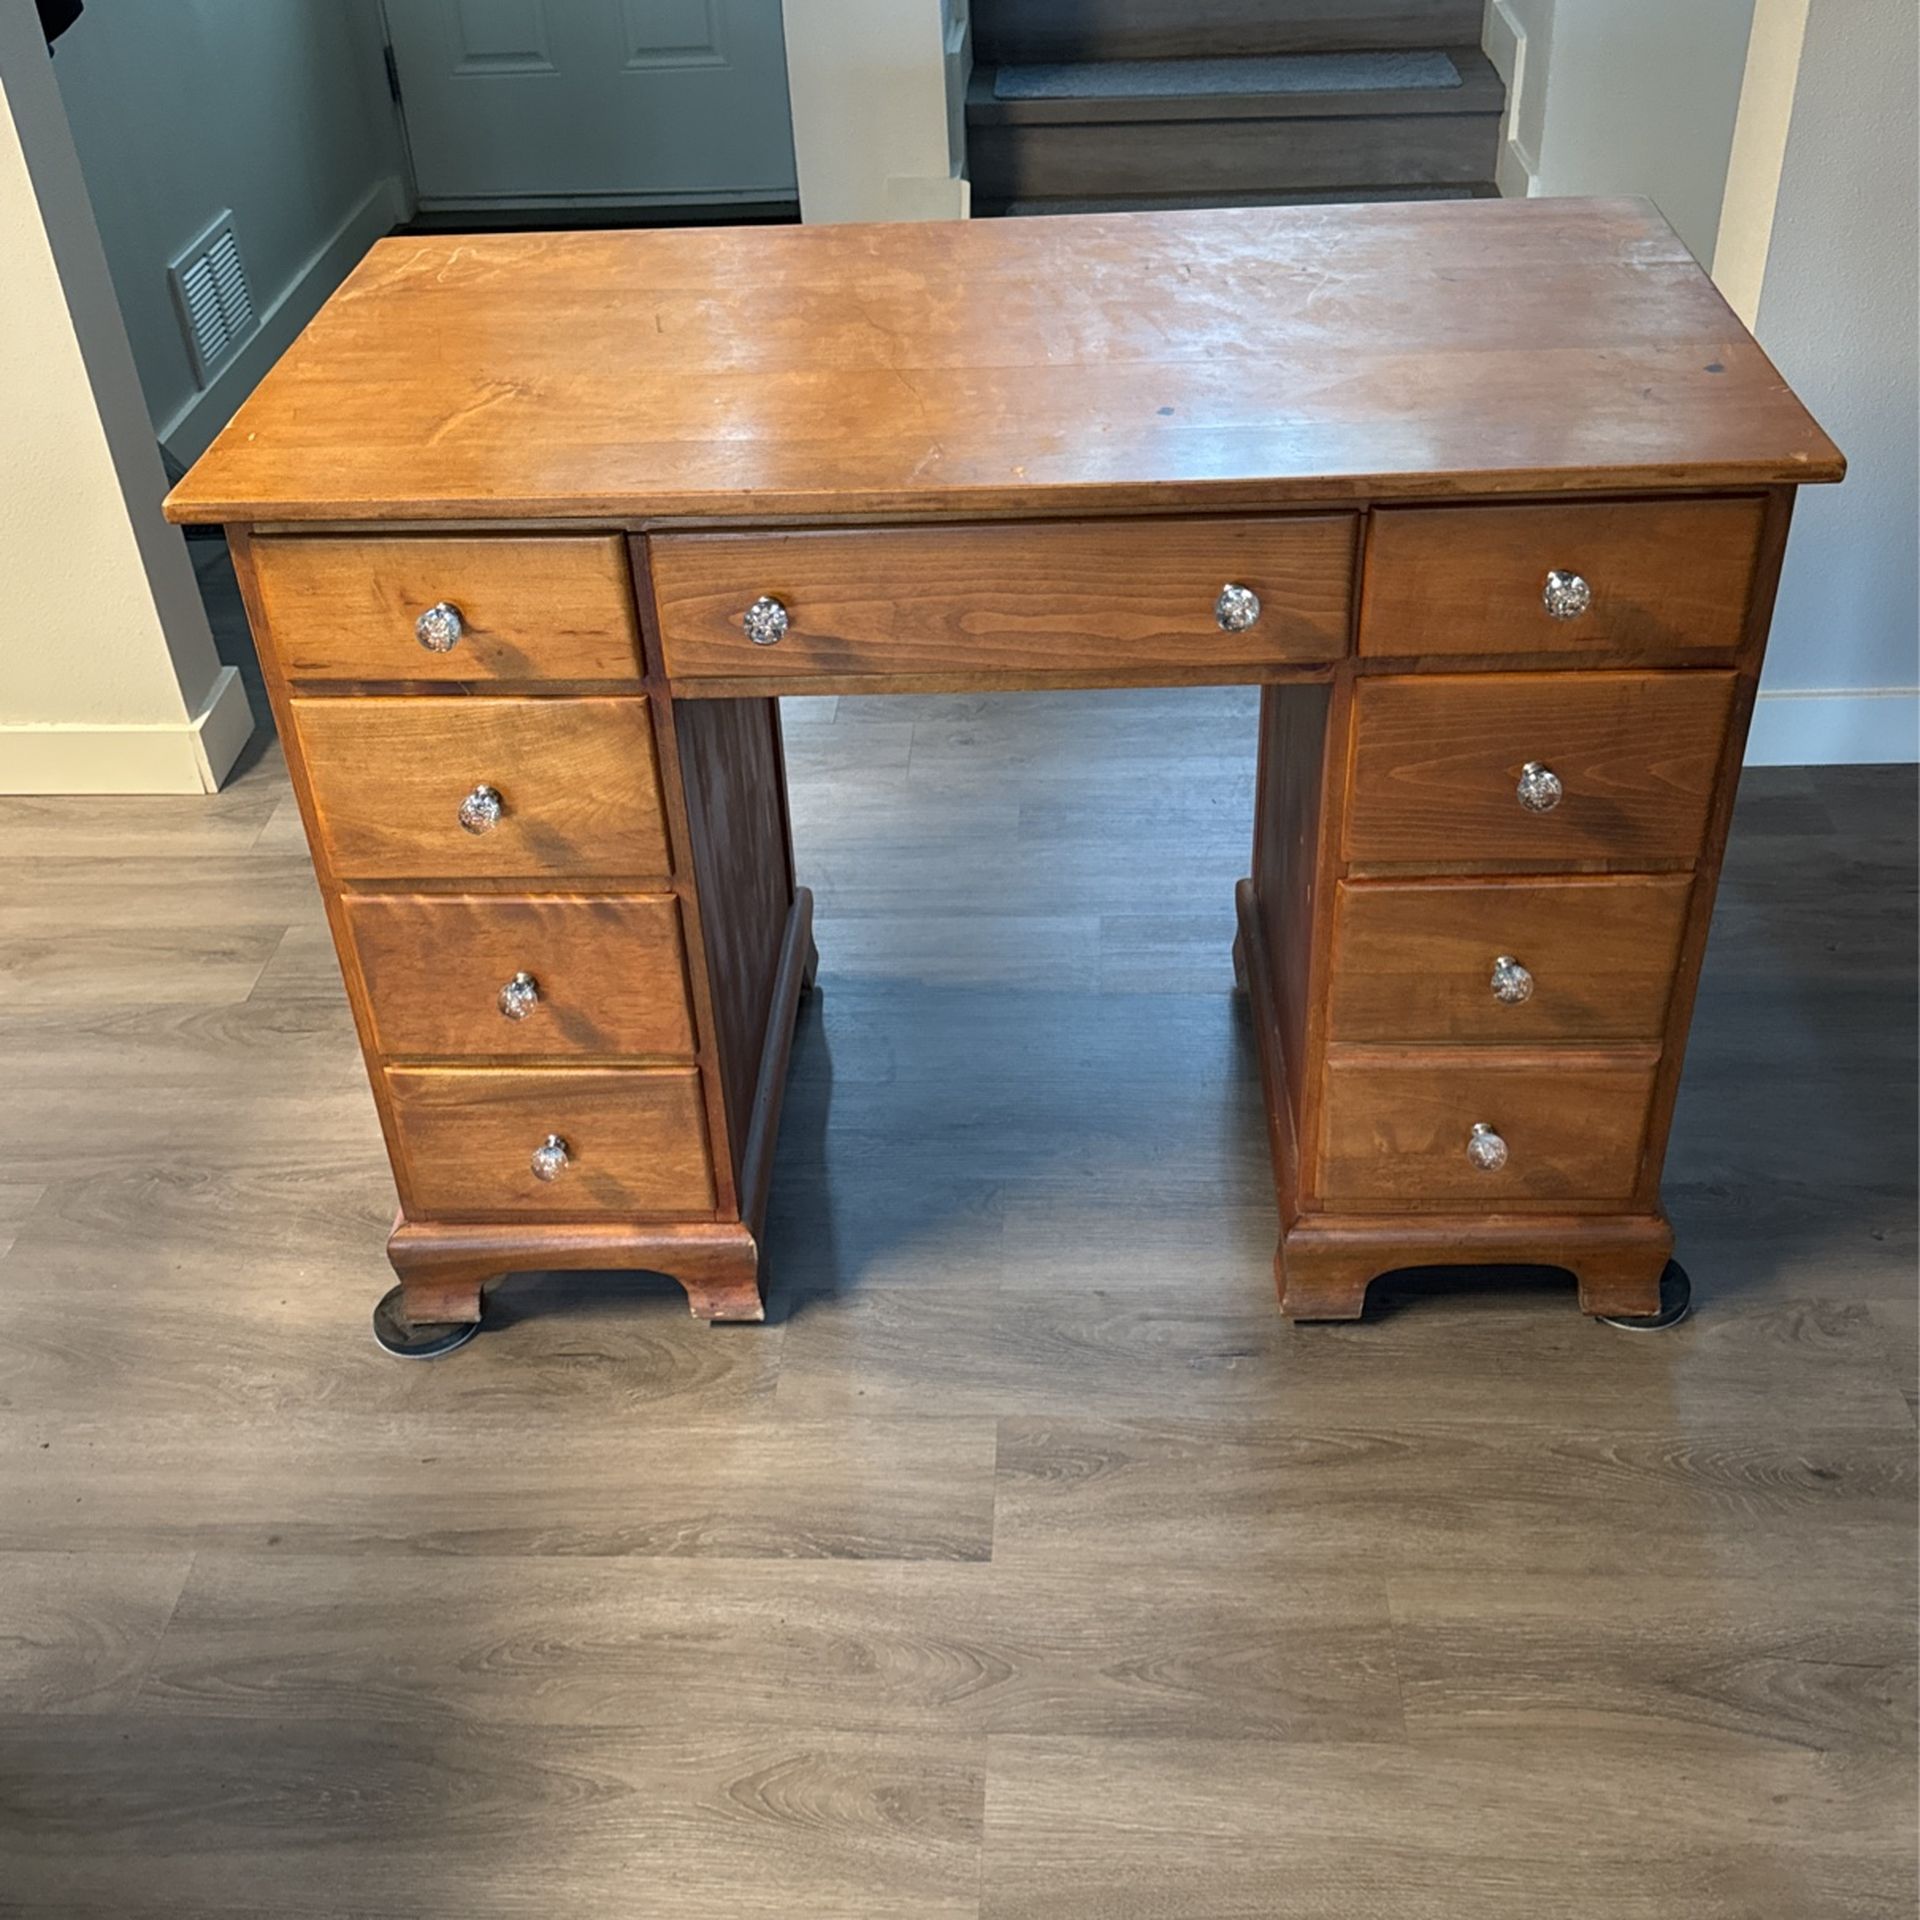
x: 1489, y: 498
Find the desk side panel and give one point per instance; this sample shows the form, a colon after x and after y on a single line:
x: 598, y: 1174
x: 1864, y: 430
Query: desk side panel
x: 734, y: 777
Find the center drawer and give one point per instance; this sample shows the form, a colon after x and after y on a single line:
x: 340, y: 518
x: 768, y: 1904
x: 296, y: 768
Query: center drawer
x: 458, y: 976
x: 464, y: 788
x: 1065, y: 598
x: 620, y: 1140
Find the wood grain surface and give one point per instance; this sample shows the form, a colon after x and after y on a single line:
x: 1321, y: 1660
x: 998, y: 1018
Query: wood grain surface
x: 1413, y: 960
x: 1670, y: 579
x: 1242, y: 358
x: 534, y: 608
x: 610, y: 972
x: 636, y: 1141
x: 1436, y: 759
x: 734, y: 780
x: 1395, y: 1133
x: 889, y: 607
x: 577, y: 777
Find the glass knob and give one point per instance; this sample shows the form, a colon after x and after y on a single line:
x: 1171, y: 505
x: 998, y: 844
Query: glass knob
x: 1236, y: 609
x: 440, y: 627
x: 550, y: 1158
x: 1512, y: 983
x: 1566, y: 596
x: 1539, y: 789
x: 480, y: 811
x: 765, y: 621
x: 519, y: 996
x: 1486, y: 1151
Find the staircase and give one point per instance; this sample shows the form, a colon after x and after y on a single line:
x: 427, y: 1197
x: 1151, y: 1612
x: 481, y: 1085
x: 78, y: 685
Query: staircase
x: 1101, y: 105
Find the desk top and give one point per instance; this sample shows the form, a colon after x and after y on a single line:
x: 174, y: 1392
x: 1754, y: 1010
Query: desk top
x: 1102, y: 363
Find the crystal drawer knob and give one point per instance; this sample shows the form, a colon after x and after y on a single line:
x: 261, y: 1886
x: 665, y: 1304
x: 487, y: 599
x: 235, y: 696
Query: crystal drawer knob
x: 440, y: 627
x: 480, y: 811
x: 519, y: 996
x: 1486, y: 1151
x: 550, y: 1158
x: 1539, y: 789
x: 1566, y: 596
x: 1512, y: 983
x: 765, y: 621
x: 1236, y: 609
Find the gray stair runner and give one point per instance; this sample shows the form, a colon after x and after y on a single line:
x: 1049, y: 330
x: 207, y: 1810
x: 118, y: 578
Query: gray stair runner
x: 1399, y: 72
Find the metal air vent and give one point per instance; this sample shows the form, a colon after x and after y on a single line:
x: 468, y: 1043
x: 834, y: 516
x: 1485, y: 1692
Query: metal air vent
x: 210, y: 290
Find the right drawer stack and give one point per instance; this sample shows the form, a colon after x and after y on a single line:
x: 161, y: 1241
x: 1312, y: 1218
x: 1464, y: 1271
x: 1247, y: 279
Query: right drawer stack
x: 1515, y: 869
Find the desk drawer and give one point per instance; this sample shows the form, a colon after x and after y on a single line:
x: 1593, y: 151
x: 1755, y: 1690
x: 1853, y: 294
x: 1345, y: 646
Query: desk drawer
x: 917, y: 604
x: 577, y: 787
x: 1439, y: 763
x: 634, y: 1140
x: 1593, y: 959
x: 527, y: 608
x: 1660, y: 580
x: 603, y: 977
x: 1399, y: 1136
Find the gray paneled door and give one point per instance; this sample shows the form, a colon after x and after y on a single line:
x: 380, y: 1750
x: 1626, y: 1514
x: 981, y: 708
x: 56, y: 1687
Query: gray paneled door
x: 569, y: 102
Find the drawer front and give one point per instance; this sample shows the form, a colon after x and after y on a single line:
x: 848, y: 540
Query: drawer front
x: 1398, y: 1136
x: 577, y: 787
x: 493, y: 977
x: 1593, y: 960
x: 528, y: 608
x: 635, y: 1141
x: 1438, y: 762
x: 1113, y: 597
x: 1662, y: 580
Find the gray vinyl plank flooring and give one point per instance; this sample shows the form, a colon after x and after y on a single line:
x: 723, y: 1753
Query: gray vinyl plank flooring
x: 1024, y: 1563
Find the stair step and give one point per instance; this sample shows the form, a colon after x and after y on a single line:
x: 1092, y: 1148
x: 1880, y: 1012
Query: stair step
x: 1107, y: 142
x: 1007, y: 32
x: 1267, y: 73
x: 1187, y: 202
x: 1449, y: 80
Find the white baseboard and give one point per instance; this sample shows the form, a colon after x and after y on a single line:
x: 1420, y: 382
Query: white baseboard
x: 1841, y: 726
x: 181, y: 756
x: 913, y: 196
x: 190, y: 432
x: 1511, y: 174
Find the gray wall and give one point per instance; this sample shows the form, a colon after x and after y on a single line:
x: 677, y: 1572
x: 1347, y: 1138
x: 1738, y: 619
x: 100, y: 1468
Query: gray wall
x: 275, y: 108
x: 1838, y: 316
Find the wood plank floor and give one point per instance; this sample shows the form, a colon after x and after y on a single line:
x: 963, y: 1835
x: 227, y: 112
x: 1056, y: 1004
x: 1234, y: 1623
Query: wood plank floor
x: 1024, y: 1563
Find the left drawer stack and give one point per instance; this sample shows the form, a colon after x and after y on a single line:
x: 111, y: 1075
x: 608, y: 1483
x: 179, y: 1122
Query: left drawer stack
x: 476, y: 759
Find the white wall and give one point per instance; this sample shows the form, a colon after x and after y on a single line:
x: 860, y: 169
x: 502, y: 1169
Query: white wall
x: 1624, y: 97
x: 276, y: 108
x: 873, y: 86
x: 109, y: 682
x: 1779, y: 137
x: 1837, y: 313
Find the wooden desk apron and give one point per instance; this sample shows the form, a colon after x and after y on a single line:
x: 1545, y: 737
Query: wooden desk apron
x: 1489, y: 498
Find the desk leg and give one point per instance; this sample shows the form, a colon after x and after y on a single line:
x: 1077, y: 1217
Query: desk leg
x: 444, y: 1269
x: 1326, y: 1261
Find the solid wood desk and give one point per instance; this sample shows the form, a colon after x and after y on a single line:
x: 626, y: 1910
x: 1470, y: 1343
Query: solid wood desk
x: 1490, y: 499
